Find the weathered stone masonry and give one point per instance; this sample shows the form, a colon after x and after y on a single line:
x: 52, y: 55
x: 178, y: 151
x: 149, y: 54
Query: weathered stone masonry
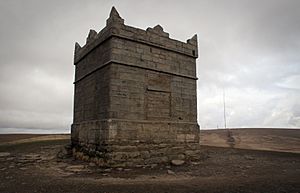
x: 135, y: 96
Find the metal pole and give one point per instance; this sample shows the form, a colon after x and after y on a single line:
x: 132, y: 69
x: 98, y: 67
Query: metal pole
x: 224, y: 108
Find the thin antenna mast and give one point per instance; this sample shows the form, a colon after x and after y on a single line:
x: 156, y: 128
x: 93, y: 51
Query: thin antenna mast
x: 224, y: 109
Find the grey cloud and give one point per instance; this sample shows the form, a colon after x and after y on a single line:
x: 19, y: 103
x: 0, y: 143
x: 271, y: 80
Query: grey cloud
x: 249, y: 48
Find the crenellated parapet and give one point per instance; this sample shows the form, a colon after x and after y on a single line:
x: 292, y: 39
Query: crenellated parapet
x: 155, y: 37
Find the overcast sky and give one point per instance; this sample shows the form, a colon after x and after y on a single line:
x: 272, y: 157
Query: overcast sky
x: 251, y: 49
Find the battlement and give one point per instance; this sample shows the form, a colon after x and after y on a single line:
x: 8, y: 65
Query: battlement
x: 155, y: 37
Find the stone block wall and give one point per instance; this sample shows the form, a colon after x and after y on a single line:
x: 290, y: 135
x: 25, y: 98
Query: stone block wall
x: 135, y: 96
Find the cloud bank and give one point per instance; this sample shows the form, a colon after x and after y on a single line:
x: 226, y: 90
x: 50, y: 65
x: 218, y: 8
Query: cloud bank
x: 249, y: 49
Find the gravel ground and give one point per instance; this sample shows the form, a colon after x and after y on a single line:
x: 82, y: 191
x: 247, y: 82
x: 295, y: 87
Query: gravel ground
x: 34, y: 167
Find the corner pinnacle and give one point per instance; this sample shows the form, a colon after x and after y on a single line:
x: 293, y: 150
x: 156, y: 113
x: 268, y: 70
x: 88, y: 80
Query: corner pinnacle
x: 193, y: 40
x: 114, y: 17
x: 194, y: 37
x: 77, y: 47
x: 114, y: 13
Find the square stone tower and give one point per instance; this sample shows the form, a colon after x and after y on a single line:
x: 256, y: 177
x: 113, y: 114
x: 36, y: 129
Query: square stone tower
x: 135, y: 99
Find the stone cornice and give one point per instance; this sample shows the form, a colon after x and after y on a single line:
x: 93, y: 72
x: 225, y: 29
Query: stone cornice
x: 135, y: 66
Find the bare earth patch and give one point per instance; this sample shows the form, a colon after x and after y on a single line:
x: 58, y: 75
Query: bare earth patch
x: 33, y: 166
x: 6, y: 139
x: 282, y: 140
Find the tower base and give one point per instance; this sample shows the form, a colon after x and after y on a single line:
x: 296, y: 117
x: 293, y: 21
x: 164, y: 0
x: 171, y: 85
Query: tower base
x: 124, y: 143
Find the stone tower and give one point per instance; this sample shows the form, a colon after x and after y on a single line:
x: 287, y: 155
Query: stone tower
x: 135, y: 96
